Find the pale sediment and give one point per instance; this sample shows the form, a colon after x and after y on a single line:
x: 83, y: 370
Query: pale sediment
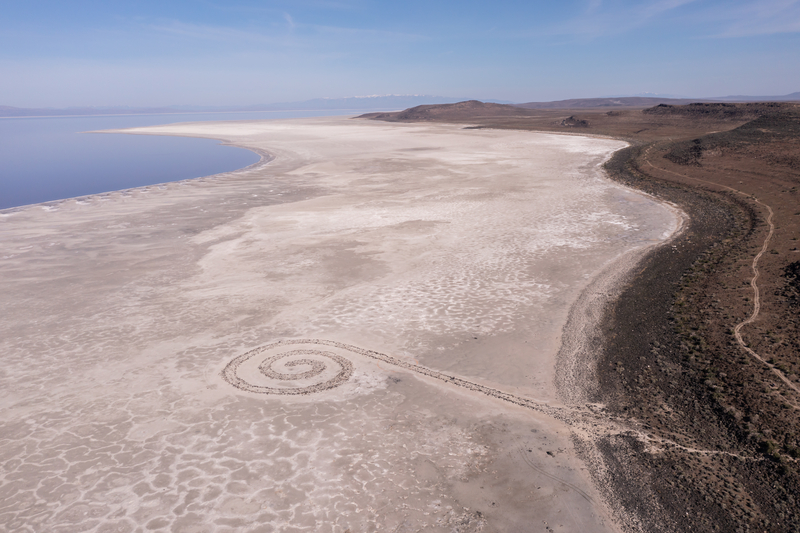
x: 394, y: 251
x: 581, y: 347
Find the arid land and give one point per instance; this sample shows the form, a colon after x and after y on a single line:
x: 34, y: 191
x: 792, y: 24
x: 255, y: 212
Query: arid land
x: 702, y: 348
x: 451, y: 325
x: 364, y: 332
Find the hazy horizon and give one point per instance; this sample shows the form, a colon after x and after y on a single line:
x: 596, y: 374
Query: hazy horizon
x: 379, y: 103
x: 247, y: 52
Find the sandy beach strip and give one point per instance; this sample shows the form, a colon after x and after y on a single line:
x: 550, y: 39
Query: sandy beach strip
x: 150, y: 329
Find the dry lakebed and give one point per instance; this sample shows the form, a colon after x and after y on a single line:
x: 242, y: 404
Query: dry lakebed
x: 379, y: 327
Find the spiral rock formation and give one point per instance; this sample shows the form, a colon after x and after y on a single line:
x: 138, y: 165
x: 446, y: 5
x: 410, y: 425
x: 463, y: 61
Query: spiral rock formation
x: 300, y: 366
x: 244, y: 374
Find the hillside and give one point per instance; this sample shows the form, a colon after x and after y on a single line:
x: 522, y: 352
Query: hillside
x: 458, y: 111
x: 583, y: 103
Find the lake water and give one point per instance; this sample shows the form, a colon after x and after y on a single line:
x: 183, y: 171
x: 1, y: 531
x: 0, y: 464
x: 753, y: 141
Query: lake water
x: 49, y: 158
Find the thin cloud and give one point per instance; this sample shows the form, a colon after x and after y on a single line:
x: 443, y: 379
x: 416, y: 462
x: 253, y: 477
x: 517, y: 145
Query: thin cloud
x: 766, y: 17
x: 654, y: 9
x: 382, y: 35
x: 318, y: 4
x: 306, y: 34
x: 594, y: 6
x: 600, y: 19
x: 216, y: 33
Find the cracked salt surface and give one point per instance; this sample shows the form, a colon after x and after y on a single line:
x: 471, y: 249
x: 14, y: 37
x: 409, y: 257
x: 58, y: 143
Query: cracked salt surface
x: 459, y: 250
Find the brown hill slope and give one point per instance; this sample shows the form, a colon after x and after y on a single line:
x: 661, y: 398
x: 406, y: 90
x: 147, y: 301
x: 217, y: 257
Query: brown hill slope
x: 467, y: 110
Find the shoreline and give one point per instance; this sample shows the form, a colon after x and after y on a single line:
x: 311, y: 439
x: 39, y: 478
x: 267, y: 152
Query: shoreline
x: 578, y: 356
x: 583, y: 353
x: 582, y: 334
x: 124, y: 165
x: 265, y: 159
x: 223, y: 275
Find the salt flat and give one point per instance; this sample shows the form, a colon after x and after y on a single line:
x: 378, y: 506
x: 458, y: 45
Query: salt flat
x: 149, y: 335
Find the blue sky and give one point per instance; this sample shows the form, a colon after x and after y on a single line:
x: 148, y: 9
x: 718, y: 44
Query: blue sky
x: 215, y: 52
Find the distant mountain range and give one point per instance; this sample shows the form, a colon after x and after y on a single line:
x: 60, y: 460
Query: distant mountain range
x: 353, y: 103
x: 624, y: 101
x: 648, y: 101
x: 786, y: 98
x: 389, y: 102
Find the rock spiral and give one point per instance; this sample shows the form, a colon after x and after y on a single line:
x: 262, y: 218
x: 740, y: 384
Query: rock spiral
x: 247, y: 371
x: 299, y: 371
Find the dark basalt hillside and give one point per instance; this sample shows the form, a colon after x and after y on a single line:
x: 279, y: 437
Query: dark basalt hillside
x: 791, y: 291
x: 719, y: 110
x: 574, y: 122
x: 588, y: 103
x: 773, y: 123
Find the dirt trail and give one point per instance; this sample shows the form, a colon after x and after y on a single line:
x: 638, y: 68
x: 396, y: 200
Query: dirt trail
x: 753, y: 282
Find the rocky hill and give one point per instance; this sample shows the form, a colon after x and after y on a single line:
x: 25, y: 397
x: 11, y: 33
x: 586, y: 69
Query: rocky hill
x: 469, y: 109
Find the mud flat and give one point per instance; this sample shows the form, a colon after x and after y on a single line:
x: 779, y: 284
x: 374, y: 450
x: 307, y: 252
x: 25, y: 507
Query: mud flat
x: 360, y: 333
